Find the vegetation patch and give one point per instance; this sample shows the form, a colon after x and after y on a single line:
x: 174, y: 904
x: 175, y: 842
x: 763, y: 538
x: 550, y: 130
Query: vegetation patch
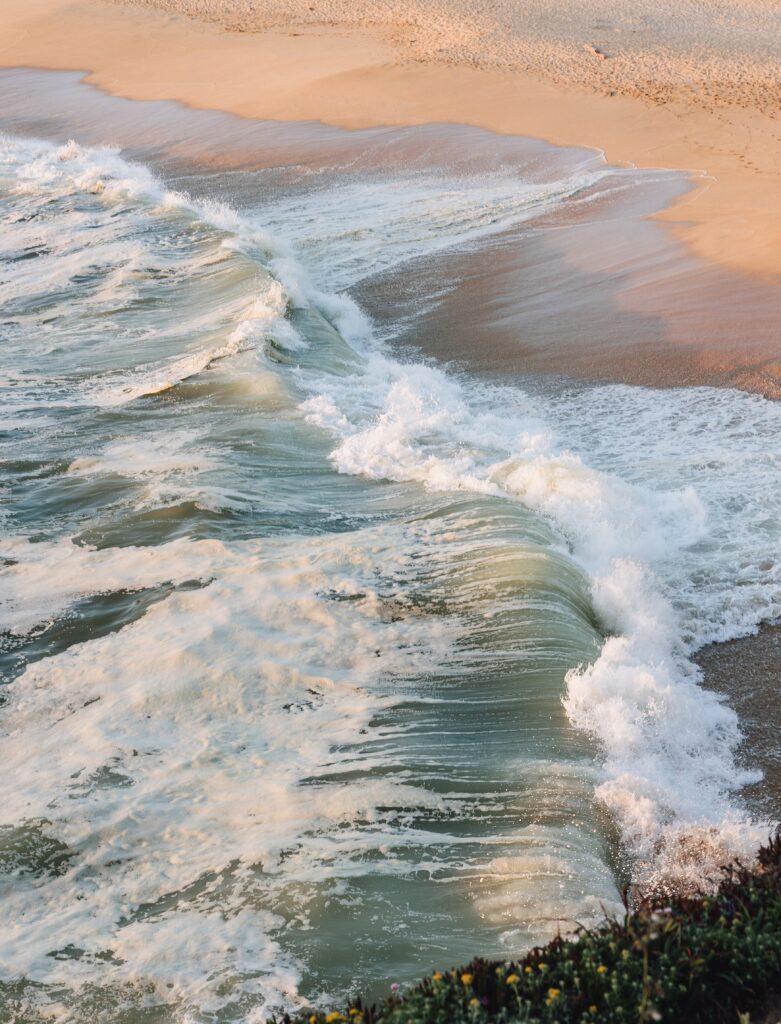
x: 704, y: 959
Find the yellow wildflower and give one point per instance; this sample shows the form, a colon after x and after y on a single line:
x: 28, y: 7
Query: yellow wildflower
x: 474, y: 1001
x: 313, y: 1019
x: 542, y: 967
x: 553, y: 993
x: 355, y: 1012
x: 436, y: 976
x: 601, y: 969
x: 592, y: 1009
x: 528, y: 970
x: 513, y: 979
x: 333, y: 1017
x: 466, y: 979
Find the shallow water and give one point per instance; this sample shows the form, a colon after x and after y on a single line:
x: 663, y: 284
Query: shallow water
x: 326, y: 664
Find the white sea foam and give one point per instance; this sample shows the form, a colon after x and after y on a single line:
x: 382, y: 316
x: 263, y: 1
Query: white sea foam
x: 42, y: 580
x: 367, y: 227
x: 150, y: 707
x: 95, y: 259
x: 176, y: 452
x: 670, y: 746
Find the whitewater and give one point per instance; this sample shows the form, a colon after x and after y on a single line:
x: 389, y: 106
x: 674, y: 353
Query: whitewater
x: 324, y: 663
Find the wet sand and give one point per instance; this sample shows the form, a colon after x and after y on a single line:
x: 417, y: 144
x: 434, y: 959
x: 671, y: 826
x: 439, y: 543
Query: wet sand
x: 681, y: 86
x: 747, y: 672
x: 610, y: 294
x: 597, y: 298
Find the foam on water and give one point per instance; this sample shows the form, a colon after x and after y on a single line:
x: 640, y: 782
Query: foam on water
x: 669, y: 760
x: 318, y: 651
x: 145, y: 719
x: 364, y: 229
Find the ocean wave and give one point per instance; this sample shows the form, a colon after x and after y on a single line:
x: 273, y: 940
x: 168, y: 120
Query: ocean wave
x: 285, y: 723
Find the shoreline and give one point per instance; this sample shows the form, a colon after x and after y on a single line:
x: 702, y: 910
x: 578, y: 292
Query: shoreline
x: 354, y: 77
x: 630, y: 302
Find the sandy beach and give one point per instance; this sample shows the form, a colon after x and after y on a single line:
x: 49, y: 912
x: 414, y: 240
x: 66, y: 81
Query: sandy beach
x: 686, y: 86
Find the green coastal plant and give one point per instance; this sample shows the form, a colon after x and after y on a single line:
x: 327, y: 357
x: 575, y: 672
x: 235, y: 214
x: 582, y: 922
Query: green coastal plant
x: 704, y: 959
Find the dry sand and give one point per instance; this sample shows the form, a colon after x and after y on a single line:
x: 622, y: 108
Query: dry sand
x: 690, y: 84
x: 713, y: 53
